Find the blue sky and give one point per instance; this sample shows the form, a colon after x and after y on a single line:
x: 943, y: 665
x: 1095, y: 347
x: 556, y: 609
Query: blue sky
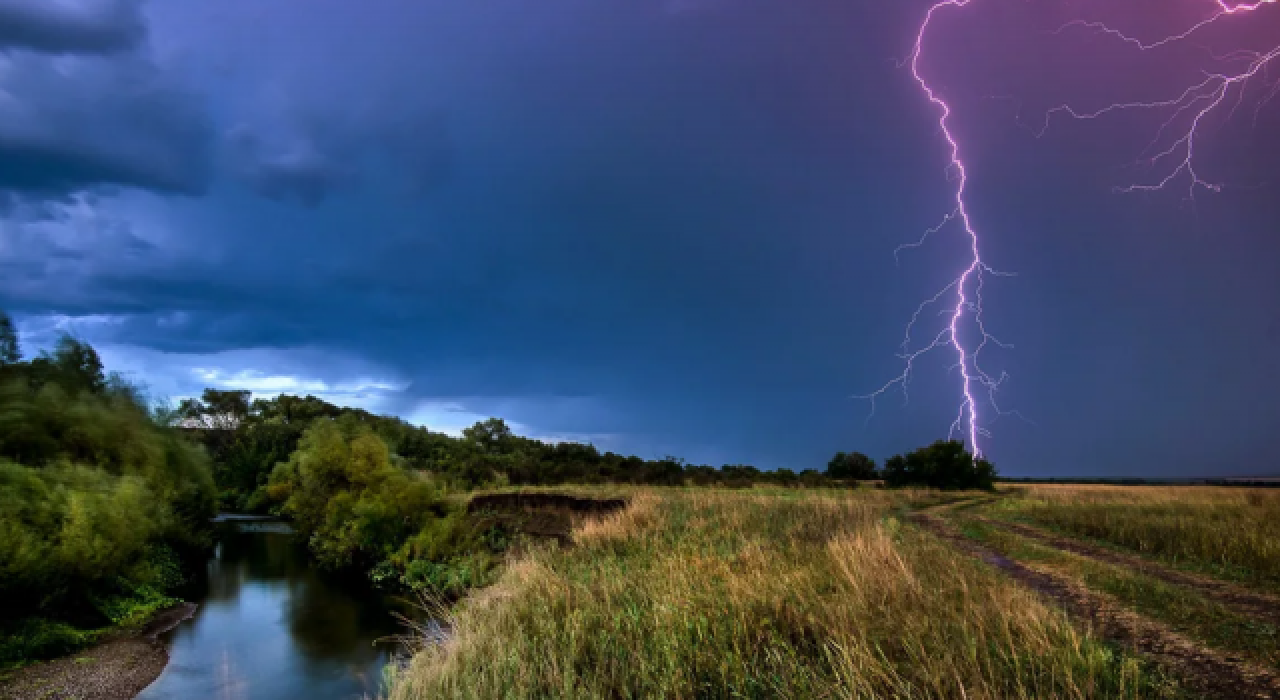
x: 663, y: 226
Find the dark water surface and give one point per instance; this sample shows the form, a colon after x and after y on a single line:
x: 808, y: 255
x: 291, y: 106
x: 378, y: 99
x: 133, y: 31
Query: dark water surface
x: 271, y: 626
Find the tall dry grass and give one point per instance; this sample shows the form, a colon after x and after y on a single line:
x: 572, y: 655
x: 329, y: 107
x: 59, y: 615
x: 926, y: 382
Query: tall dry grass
x: 1233, y: 532
x: 707, y: 593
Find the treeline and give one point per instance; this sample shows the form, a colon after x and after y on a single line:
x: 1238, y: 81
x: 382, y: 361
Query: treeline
x: 247, y: 438
x: 98, y: 500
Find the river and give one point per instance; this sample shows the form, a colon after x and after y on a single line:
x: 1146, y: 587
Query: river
x: 270, y: 626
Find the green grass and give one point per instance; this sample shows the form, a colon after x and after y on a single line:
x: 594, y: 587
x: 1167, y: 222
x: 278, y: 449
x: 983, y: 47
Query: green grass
x: 1182, y: 609
x: 36, y: 638
x: 763, y: 594
x: 1230, y: 533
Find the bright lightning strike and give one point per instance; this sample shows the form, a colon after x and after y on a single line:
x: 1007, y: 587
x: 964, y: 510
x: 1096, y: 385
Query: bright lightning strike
x: 963, y: 295
x: 1171, y: 153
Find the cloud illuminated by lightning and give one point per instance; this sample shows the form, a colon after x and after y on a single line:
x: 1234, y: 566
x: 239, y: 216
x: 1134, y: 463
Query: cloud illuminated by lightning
x: 1171, y: 152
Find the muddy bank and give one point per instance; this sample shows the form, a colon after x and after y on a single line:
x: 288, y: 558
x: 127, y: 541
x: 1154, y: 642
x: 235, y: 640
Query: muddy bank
x: 546, y: 515
x: 115, y: 669
x: 544, y: 501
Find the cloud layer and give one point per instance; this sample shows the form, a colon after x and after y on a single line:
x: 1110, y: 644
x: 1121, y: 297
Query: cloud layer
x: 62, y: 27
x: 663, y: 226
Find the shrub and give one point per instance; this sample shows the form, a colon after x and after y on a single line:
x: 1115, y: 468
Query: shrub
x: 943, y: 465
x: 93, y: 493
x: 851, y: 465
x: 345, y: 495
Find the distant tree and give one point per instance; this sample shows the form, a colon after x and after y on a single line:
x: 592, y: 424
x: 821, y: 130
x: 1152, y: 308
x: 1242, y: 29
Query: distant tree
x: 851, y: 465
x: 216, y: 409
x: 74, y: 365
x: 668, y: 471
x: 228, y: 409
x: 489, y: 435
x: 943, y: 465
x: 295, y: 410
x: 9, y: 351
x: 812, y: 478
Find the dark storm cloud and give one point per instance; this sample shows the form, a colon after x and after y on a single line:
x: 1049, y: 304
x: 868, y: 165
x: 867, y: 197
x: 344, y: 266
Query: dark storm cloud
x: 671, y: 223
x: 84, y: 26
x: 409, y: 152
x: 300, y: 173
x: 71, y: 123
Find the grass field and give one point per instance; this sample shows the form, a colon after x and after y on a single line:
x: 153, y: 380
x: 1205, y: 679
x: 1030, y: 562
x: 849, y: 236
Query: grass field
x: 1233, y: 533
x: 772, y: 593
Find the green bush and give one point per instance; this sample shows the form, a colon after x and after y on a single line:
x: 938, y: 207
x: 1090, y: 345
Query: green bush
x: 39, y: 638
x: 943, y: 465
x: 851, y: 465
x: 94, y: 497
x: 344, y: 494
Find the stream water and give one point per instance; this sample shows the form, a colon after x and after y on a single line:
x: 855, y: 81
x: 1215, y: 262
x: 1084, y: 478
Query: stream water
x: 271, y: 626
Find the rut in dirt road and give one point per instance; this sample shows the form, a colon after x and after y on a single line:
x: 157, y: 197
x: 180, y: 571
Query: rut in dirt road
x: 1202, y: 670
x: 1259, y: 606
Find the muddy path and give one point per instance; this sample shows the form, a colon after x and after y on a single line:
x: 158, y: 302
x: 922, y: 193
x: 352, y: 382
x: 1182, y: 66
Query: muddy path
x: 1246, y: 602
x: 1200, y: 669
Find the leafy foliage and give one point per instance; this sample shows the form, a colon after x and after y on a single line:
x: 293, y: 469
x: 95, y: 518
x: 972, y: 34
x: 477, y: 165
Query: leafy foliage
x: 246, y: 440
x: 9, y: 353
x: 344, y: 493
x: 851, y: 465
x: 361, y: 511
x: 943, y: 465
x: 93, y: 495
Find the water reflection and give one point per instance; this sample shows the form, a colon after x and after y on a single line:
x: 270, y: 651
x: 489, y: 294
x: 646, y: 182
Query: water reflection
x: 270, y: 626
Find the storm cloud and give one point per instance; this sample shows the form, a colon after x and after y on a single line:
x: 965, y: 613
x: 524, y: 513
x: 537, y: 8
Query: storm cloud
x: 78, y: 26
x: 83, y: 105
x: 664, y: 226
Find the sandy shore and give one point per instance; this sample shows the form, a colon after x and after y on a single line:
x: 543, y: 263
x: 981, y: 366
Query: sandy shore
x: 116, y: 669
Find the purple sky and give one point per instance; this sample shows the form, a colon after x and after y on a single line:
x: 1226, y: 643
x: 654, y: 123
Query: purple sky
x: 664, y: 226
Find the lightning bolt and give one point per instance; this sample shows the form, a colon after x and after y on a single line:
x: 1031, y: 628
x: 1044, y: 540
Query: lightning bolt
x: 963, y: 295
x: 1172, y: 152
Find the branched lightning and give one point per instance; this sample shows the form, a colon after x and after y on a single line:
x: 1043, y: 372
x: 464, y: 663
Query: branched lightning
x: 963, y: 295
x: 1172, y: 150
x: 1171, y: 153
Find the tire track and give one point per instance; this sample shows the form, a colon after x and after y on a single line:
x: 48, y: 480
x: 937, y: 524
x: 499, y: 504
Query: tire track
x: 1259, y: 606
x: 1202, y: 670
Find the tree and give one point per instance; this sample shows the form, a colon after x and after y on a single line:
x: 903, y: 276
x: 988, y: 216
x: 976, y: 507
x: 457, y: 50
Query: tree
x: 355, y: 507
x: 74, y: 365
x: 851, y: 465
x: 489, y: 435
x: 943, y: 465
x: 9, y: 351
x: 216, y: 409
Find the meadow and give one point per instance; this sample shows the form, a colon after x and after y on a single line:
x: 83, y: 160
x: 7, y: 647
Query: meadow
x: 1229, y: 532
x: 847, y: 593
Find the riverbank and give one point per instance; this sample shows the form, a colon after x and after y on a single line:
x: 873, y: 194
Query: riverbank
x: 116, y: 669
